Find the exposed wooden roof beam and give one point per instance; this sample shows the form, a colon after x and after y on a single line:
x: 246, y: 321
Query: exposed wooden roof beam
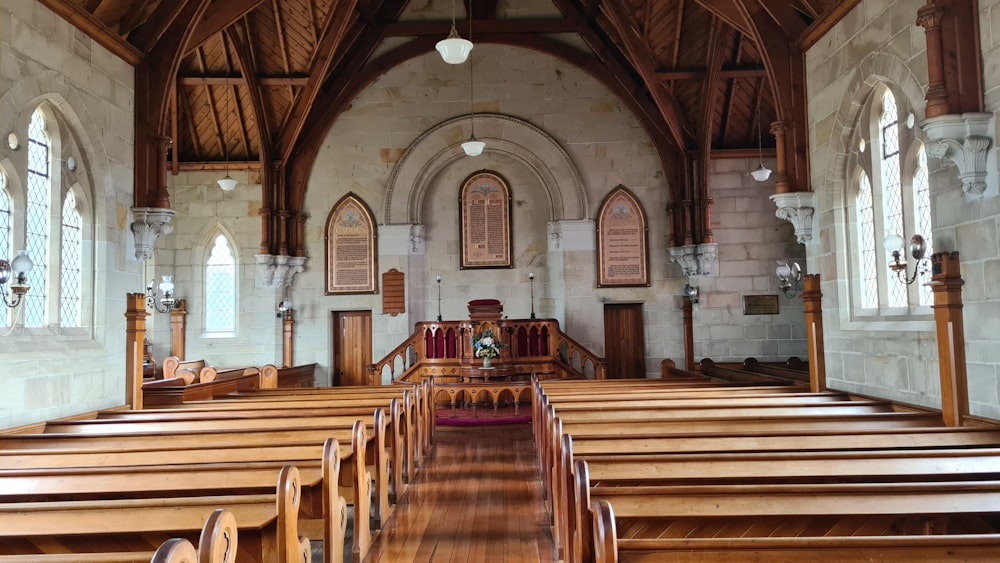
x: 237, y: 78
x: 240, y: 38
x: 213, y: 166
x: 644, y: 62
x: 147, y: 35
x: 754, y: 71
x: 420, y: 29
x: 332, y: 36
x: 130, y: 20
x: 218, y: 16
x: 95, y: 29
x: 824, y: 23
x: 727, y: 11
x: 786, y: 16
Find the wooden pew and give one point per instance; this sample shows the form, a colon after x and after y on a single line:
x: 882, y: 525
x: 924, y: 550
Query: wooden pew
x: 321, y: 501
x: 217, y: 544
x: 215, y: 445
x: 268, y: 523
x: 609, y: 548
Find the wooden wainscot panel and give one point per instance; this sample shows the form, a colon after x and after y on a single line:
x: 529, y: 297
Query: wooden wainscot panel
x: 393, y: 292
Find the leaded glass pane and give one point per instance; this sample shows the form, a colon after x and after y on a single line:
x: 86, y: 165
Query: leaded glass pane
x: 5, y: 206
x: 70, y: 281
x: 892, y: 193
x: 220, y: 288
x: 922, y: 220
x: 36, y: 235
x: 866, y: 240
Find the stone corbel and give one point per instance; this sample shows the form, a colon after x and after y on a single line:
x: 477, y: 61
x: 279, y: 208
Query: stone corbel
x: 964, y: 139
x: 686, y: 257
x: 148, y: 224
x: 291, y: 265
x: 266, y: 267
x: 708, y: 259
x: 797, y: 208
x: 417, y: 239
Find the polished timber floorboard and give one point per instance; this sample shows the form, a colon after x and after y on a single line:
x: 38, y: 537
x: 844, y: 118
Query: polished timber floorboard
x: 477, y: 498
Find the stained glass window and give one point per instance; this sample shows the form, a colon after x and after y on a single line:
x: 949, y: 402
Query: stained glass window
x: 5, y: 206
x: 922, y: 219
x: 38, y: 205
x: 866, y: 240
x: 220, y: 287
x: 70, y: 275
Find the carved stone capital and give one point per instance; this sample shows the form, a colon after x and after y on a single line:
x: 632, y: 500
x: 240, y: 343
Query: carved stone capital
x: 265, y: 270
x: 929, y: 16
x: 686, y: 257
x: 797, y: 208
x: 707, y: 254
x: 965, y: 140
x: 417, y: 233
x: 148, y: 224
x: 278, y: 270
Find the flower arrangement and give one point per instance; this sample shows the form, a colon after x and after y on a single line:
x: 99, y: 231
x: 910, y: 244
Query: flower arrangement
x: 486, y: 345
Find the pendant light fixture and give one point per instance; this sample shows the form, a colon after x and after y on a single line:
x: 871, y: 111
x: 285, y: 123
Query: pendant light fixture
x: 472, y: 147
x: 227, y: 183
x: 762, y: 173
x: 454, y: 50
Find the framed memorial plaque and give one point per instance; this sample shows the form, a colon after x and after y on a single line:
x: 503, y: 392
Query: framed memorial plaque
x: 622, y: 241
x: 760, y: 304
x: 484, y: 216
x: 351, y: 250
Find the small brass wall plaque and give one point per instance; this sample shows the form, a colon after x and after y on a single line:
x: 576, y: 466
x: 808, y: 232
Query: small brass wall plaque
x: 760, y: 304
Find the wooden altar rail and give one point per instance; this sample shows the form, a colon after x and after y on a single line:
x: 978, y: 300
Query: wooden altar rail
x: 174, y: 392
x: 563, y: 356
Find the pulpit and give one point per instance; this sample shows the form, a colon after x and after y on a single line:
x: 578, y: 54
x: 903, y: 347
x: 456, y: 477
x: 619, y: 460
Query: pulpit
x: 485, y: 310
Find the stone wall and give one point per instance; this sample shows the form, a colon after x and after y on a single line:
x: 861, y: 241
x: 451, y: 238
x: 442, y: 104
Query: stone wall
x: 52, y: 372
x: 879, y: 42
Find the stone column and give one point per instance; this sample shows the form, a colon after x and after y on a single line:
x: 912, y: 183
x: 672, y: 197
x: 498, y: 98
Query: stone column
x: 946, y: 283
x: 812, y: 299
x: 929, y: 18
x: 178, y: 330
x: 135, y: 335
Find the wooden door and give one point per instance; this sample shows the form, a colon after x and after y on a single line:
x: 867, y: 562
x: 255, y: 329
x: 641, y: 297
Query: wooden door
x: 624, y: 340
x: 351, y: 344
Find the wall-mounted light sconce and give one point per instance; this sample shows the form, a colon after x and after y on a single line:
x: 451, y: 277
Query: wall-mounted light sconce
x: 691, y: 293
x: 789, y: 278
x: 19, y: 267
x: 285, y: 309
x: 167, y: 302
x: 531, y: 279
x: 438, y: 280
x: 918, y: 250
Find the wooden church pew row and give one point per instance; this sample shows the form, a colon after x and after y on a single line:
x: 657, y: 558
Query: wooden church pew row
x: 396, y: 436
x: 217, y: 544
x: 415, y: 404
x: 407, y: 417
x: 18, y: 451
x: 381, y: 459
x: 322, y: 511
x: 608, y: 548
x: 268, y: 523
x: 920, y: 507
x: 769, y: 368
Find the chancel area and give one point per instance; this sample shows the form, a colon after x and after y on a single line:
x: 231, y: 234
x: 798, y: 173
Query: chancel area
x: 717, y: 280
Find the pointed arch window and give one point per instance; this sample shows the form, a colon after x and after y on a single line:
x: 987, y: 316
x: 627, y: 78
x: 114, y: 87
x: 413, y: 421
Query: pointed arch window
x: 37, y: 218
x: 220, y: 287
x: 70, y: 275
x: 892, y: 196
x: 5, y: 235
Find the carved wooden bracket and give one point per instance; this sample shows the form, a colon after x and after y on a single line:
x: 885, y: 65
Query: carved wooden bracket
x: 797, y: 208
x: 148, y: 224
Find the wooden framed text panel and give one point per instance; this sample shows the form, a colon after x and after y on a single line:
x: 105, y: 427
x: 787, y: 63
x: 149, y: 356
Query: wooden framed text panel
x: 760, y: 304
x: 484, y: 216
x: 351, y: 248
x: 622, y: 241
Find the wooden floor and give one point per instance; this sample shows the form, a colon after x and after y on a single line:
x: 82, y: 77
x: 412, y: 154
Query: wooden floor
x: 477, y: 498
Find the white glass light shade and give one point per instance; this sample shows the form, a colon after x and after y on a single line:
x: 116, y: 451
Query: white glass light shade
x: 893, y: 243
x: 228, y: 183
x: 167, y: 285
x: 454, y: 50
x: 761, y: 174
x: 438, y: 278
x: 22, y: 263
x: 783, y: 271
x: 473, y: 147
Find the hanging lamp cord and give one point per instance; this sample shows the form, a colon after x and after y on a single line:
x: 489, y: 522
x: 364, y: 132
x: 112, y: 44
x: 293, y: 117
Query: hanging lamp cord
x: 472, y: 84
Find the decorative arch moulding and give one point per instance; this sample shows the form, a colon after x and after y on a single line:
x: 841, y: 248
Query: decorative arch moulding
x: 966, y: 140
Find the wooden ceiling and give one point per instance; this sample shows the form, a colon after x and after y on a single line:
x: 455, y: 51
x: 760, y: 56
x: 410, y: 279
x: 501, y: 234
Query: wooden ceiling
x: 253, y: 73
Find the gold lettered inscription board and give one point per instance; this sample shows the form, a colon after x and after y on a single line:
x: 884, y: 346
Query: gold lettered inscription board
x: 622, y: 235
x: 485, y: 219
x: 351, y: 259
x: 760, y: 304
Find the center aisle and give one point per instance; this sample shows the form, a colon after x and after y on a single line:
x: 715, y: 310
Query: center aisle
x: 477, y: 498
